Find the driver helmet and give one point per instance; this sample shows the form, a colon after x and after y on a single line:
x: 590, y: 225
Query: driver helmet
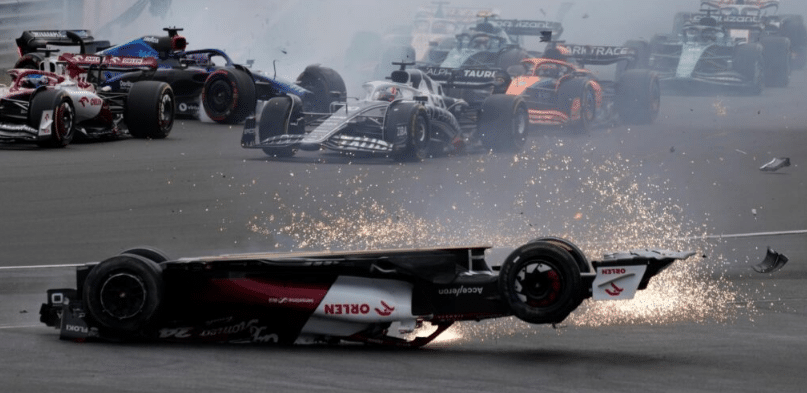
x: 548, y: 70
x: 387, y: 94
x: 32, y: 81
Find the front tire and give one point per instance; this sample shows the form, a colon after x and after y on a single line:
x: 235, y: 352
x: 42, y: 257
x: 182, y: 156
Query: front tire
x: 407, y: 129
x: 503, y: 123
x: 748, y: 61
x: 638, y: 97
x: 578, y: 99
x: 276, y: 119
x: 229, y: 96
x: 541, y: 283
x: 776, y: 51
x: 123, y: 294
x: 55, y: 103
x: 150, y: 109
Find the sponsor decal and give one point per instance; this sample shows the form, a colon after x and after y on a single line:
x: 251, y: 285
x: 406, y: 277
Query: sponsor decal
x: 231, y: 329
x: 401, y: 131
x: 258, y: 334
x: 289, y: 300
x: 462, y: 290
x: 76, y: 328
x: 522, y: 24
x: 125, y: 85
x: 579, y: 50
x: 153, y: 40
x: 479, y: 73
x: 351, y: 308
x: 436, y: 71
x: 84, y: 101
x: 386, y: 311
x: 616, y: 290
x: 48, y: 34
x: 183, y: 332
x: 613, y: 271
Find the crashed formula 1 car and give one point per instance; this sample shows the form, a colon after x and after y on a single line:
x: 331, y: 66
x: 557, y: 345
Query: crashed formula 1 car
x: 378, y: 297
x: 407, y: 118
x: 201, y: 79
x: 50, y: 108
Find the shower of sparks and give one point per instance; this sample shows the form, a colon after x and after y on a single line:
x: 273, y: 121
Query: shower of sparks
x: 603, y: 205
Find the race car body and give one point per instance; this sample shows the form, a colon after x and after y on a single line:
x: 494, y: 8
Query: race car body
x: 49, y: 108
x: 407, y: 118
x: 728, y: 47
x: 209, y: 78
x: 33, y: 45
x: 434, y: 25
x: 382, y: 297
x: 559, y: 91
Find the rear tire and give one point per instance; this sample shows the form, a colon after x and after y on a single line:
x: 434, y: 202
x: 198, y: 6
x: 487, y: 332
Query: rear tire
x: 503, y: 123
x: 123, y: 294
x: 229, y: 96
x: 60, y: 107
x: 30, y: 61
x: 541, y: 283
x: 638, y: 97
x: 150, y: 109
x: 326, y: 85
x: 793, y: 28
x: 150, y: 253
x: 748, y: 61
x: 276, y: 120
x: 776, y: 51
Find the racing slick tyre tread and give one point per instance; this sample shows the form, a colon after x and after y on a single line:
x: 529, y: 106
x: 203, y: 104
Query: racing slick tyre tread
x: 793, y: 28
x: 30, y: 61
x: 60, y: 105
x: 776, y: 51
x: 638, y: 97
x: 541, y: 283
x: 229, y: 96
x: 503, y: 123
x: 150, y: 109
x: 276, y: 120
x: 748, y: 61
x: 416, y: 143
x: 578, y: 90
x: 323, y: 82
x: 122, y: 294
x: 147, y: 252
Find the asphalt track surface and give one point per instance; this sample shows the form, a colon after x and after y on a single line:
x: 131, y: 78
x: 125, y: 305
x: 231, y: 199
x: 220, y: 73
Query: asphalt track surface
x: 711, y: 324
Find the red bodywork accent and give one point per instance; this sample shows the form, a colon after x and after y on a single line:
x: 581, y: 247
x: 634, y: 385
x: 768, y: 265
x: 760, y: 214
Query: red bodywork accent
x: 18, y: 75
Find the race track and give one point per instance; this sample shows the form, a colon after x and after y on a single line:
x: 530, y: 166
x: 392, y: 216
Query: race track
x: 709, y: 324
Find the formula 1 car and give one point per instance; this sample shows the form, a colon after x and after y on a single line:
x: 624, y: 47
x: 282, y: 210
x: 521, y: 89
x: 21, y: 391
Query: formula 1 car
x: 559, y: 91
x: 34, y: 46
x: 381, y: 297
x: 723, y: 47
x: 407, y: 118
x: 50, y: 108
x: 227, y: 91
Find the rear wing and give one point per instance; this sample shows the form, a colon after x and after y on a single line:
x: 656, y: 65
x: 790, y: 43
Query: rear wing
x: 596, y: 54
x: 37, y: 40
x: 471, y: 78
x: 535, y: 28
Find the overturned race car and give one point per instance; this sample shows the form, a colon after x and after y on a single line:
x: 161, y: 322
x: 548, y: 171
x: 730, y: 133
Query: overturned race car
x: 379, y: 297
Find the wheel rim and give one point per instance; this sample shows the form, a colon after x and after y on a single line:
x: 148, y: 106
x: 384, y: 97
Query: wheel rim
x: 123, y: 295
x: 538, y: 284
x: 220, y: 97
x: 520, y: 127
x: 166, y: 112
x: 64, y: 121
x: 589, y: 105
x: 421, y: 134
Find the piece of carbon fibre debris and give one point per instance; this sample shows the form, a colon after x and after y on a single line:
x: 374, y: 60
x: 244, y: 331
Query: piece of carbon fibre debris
x: 775, y: 164
x: 773, y: 261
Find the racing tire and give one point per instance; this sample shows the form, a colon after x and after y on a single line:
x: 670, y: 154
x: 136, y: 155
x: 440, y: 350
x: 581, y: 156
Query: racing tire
x: 578, y: 95
x: 123, y: 294
x: 228, y: 96
x: 638, y: 97
x: 748, y: 61
x: 276, y: 119
x: 541, y: 283
x: 30, y: 61
x: 415, y: 144
x: 326, y: 86
x: 642, y: 60
x: 776, y: 51
x: 503, y: 123
x: 150, y: 110
x: 149, y: 253
x: 60, y: 107
x: 794, y: 29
